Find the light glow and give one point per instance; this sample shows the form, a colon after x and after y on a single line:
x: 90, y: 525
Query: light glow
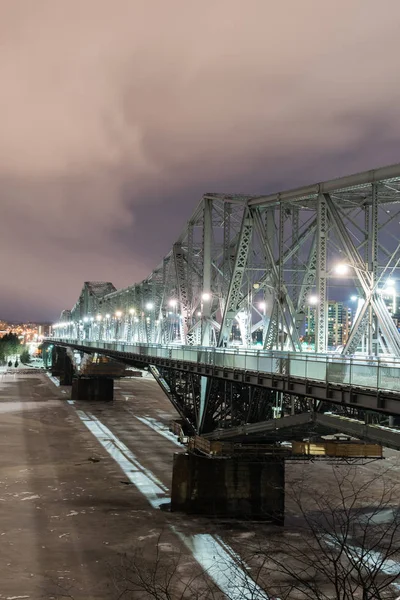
x: 313, y: 300
x: 341, y: 269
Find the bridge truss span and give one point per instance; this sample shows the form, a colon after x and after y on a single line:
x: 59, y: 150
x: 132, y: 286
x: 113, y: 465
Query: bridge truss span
x: 249, y: 270
x: 238, y: 388
x: 251, y: 281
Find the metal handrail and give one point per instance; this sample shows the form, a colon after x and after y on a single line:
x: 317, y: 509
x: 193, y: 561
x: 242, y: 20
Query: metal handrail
x: 373, y: 373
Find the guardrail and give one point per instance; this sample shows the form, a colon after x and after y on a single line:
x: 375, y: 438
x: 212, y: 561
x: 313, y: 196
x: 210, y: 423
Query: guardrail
x: 377, y: 374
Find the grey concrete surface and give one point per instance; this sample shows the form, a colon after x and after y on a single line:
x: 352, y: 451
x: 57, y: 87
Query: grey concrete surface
x: 69, y: 511
x: 65, y: 509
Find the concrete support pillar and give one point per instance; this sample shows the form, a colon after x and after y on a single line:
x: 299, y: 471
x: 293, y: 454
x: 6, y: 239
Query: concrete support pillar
x: 93, y: 388
x: 61, y: 365
x: 239, y: 487
x: 54, y: 361
x: 67, y: 371
x: 57, y: 360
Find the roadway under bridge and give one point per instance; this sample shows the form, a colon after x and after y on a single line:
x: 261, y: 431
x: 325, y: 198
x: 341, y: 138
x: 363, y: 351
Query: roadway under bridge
x: 235, y: 323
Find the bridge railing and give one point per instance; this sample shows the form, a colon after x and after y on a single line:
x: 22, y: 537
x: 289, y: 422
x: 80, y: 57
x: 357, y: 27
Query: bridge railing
x: 375, y: 374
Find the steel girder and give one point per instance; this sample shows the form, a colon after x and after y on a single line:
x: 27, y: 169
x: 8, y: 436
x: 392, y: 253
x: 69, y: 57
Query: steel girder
x: 233, y: 296
x: 322, y: 227
x: 367, y: 278
x: 226, y: 403
x: 276, y: 250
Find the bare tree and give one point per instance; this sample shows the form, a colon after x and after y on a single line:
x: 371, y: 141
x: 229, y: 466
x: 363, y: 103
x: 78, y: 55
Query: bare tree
x: 166, y: 575
x: 345, y: 541
x: 341, y: 542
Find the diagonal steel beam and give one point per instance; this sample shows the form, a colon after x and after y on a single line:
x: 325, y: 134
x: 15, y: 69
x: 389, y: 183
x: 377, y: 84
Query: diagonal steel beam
x: 234, y: 292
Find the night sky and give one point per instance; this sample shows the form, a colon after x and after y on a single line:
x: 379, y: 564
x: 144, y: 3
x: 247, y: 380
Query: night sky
x: 117, y: 115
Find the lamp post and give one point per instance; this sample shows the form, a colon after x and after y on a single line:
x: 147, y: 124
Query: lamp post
x: 263, y: 307
x: 79, y: 329
x: 149, y: 307
x: 99, y: 322
x: 389, y: 290
x: 205, y: 307
x: 85, y: 330
x: 132, y: 313
x: 369, y: 286
x: 107, y: 335
x: 175, y: 326
x: 118, y: 315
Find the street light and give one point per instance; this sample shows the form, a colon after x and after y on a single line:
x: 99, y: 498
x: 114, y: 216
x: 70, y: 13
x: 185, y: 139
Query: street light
x: 390, y: 290
x: 118, y: 315
x: 173, y: 302
x: 149, y: 306
x: 313, y: 300
x: 341, y: 269
x: 206, y: 296
x: 99, y: 319
x: 344, y: 268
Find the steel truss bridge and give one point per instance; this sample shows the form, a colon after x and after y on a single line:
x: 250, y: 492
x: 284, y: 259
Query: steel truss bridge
x: 252, y: 265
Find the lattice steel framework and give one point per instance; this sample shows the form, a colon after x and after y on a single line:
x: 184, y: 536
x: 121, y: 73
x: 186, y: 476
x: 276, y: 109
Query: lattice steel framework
x: 245, y: 268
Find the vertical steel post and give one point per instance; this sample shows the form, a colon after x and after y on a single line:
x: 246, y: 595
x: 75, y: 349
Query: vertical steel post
x: 295, y: 257
x: 226, y: 265
x: 321, y: 324
x: 270, y: 335
x: 373, y: 266
x: 207, y: 257
x: 281, y: 291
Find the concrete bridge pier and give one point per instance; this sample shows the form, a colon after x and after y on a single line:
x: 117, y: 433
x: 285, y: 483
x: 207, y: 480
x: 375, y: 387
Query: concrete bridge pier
x: 240, y: 487
x: 67, y: 373
x: 93, y: 388
x: 61, y: 365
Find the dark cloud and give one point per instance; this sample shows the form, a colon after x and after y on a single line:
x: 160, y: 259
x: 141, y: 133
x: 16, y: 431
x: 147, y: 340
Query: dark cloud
x: 115, y: 117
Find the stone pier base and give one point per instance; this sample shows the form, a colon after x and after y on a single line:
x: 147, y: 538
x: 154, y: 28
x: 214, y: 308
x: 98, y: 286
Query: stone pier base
x: 62, y: 366
x: 93, y: 388
x: 236, y: 486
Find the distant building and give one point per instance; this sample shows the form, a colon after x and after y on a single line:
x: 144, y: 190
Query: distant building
x: 339, y: 323
x: 339, y: 317
x: 310, y: 324
x: 44, y: 329
x: 26, y: 332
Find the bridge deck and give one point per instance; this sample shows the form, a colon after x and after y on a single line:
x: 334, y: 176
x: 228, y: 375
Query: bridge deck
x: 371, y: 384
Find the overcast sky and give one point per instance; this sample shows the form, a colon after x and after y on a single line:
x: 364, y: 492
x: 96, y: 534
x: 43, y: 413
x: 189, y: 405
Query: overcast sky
x: 116, y: 115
